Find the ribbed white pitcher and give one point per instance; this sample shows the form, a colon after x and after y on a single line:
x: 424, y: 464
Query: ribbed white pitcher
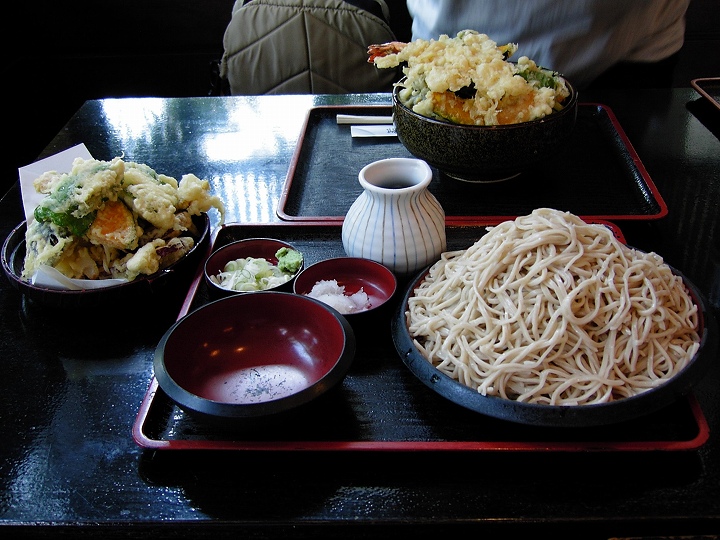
x: 396, y: 221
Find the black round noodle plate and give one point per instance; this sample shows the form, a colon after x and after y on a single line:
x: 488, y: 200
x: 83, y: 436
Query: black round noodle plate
x: 142, y: 288
x: 551, y: 415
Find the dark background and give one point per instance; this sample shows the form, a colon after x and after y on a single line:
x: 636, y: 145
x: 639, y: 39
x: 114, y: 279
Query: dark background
x: 63, y: 52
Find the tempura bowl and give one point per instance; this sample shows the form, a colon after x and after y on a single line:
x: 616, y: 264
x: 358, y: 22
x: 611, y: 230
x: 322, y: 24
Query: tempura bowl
x: 133, y: 293
x: 480, y: 154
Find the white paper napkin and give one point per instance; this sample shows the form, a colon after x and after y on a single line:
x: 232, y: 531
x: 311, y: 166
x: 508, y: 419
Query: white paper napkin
x: 47, y: 276
x: 60, y: 162
x: 373, y: 131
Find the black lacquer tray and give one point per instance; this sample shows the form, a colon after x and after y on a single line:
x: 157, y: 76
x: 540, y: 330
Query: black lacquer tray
x: 596, y: 175
x: 381, y: 405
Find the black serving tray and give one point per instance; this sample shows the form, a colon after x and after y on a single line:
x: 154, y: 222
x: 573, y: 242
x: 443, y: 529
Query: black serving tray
x: 381, y: 405
x: 596, y: 175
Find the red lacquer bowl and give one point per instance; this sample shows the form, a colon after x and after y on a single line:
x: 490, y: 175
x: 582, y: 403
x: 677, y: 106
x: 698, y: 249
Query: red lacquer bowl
x: 254, y: 355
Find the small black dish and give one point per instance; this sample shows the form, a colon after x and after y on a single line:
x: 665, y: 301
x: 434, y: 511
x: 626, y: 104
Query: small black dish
x: 258, y: 248
x: 353, y: 274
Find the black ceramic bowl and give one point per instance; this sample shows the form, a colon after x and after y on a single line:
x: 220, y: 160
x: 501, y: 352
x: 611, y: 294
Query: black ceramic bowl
x: 550, y: 415
x: 258, y: 248
x: 255, y: 355
x: 483, y: 153
x: 141, y: 289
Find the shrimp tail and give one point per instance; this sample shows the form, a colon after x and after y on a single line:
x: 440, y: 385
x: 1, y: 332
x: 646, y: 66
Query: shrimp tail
x: 384, y: 49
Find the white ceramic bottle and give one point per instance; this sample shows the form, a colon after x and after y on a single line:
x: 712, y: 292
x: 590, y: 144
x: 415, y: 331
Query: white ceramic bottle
x: 396, y: 221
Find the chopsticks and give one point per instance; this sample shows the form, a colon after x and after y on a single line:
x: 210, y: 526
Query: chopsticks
x: 362, y: 119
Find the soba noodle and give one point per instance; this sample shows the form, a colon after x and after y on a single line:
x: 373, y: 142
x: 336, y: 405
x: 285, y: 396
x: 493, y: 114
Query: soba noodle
x: 551, y: 310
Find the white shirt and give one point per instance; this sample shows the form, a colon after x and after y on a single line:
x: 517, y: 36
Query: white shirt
x: 578, y: 38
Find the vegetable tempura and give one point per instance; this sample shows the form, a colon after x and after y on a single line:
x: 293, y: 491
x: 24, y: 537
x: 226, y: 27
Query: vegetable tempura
x: 114, y: 219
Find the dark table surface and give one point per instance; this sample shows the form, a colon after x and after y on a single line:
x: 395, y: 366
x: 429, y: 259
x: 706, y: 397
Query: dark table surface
x: 73, y: 381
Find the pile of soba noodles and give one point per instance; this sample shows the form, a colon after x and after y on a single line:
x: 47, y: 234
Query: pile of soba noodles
x: 551, y: 310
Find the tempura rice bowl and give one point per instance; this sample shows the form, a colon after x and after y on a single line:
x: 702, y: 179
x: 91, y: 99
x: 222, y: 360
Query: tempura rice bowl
x: 493, y: 153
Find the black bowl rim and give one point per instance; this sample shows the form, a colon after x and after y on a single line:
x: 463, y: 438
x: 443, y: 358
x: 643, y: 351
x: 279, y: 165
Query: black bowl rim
x: 372, y: 262
x: 552, y: 415
x: 16, y: 240
x: 568, y: 106
x: 192, y: 403
x: 225, y: 291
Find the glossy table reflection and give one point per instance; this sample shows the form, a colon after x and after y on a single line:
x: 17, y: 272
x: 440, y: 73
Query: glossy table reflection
x: 68, y: 464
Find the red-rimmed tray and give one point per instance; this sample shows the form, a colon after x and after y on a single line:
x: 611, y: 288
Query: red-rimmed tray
x: 381, y: 405
x: 709, y: 88
x: 596, y: 175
